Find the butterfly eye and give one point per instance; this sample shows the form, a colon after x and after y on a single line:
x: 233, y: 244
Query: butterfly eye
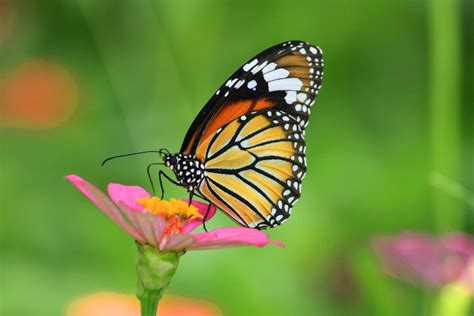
x: 170, y: 160
x: 164, y: 153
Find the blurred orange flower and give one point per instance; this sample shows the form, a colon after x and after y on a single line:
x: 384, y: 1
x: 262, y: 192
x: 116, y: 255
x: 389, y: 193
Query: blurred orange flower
x: 37, y: 95
x: 113, y: 304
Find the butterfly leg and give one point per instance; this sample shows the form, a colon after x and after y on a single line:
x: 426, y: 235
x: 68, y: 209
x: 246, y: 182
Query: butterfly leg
x: 200, y: 196
x: 194, y: 193
x: 205, y: 217
x: 148, y: 172
x: 191, y: 193
x: 162, y: 174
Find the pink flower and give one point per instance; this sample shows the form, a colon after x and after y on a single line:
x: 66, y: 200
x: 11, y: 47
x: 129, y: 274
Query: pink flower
x: 427, y: 260
x: 166, y: 226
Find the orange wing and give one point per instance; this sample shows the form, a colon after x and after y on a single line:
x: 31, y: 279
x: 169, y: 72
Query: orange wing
x: 285, y: 77
x: 254, y: 166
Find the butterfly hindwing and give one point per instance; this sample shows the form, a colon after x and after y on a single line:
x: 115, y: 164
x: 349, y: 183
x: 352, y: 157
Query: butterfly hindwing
x: 254, y: 167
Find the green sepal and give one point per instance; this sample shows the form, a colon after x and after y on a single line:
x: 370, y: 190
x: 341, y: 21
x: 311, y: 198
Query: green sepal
x: 155, y: 270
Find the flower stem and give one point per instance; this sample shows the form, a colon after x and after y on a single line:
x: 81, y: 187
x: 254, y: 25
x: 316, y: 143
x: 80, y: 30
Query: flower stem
x: 445, y: 103
x: 149, y: 302
x: 155, y: 270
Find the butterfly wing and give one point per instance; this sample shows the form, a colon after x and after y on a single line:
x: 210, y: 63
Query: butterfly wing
x: 254, y: 166
x: 250, y: 135
x: 286, y: 76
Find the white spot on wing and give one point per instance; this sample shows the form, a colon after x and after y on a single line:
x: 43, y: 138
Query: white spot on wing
x: 269, y: 67
x: 302, y: 96
x: 290, y: 97
x: 252, y: 84
x: 230, y: 82
x: 249, y: 66
x: 239, y: 84
x: 276, y: 74
x: 285, y: 84
x: 259, y: 67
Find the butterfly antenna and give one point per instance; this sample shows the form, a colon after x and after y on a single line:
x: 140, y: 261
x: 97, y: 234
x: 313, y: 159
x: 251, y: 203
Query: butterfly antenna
x: 131, y: 154
x: 164, y: 151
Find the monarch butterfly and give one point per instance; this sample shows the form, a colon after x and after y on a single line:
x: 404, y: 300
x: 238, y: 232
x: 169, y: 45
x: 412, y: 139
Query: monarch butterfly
x: 245, y: 150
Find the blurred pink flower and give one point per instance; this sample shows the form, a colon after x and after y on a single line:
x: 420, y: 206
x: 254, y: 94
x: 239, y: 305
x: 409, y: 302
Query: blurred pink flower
x: 166, y: 226
x: 428, y: 260
x: 113, y: 304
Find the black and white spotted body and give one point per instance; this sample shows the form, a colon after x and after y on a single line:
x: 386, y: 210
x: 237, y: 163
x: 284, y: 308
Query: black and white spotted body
x: 189, y: 171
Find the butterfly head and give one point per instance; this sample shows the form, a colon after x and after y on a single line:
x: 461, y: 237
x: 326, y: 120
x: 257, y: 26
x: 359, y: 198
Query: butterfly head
x: 169, y: 160
x: 189, y: 171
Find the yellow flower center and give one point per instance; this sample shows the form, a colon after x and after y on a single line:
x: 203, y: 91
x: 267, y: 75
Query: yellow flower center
x: 169, y: 209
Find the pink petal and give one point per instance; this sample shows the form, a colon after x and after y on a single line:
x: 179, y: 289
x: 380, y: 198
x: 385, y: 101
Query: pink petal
x: 231, y: 237
x: 417, y: 257
x: 202, y: 209
x: 80, y: 184
x: 149, y: 225
x: 104, y: 204
x: 146, y: 228
x: 467, y: 276
x: 459, y: 243
x: 177, y: 242
x: 127, y: 195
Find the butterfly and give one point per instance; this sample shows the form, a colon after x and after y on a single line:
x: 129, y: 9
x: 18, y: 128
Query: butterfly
x: 245, y: 150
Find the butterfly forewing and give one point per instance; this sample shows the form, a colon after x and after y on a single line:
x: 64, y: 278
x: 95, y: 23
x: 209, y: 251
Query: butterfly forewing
x: 285, y: 77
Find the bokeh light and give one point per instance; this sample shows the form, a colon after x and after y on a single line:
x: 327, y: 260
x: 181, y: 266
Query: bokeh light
x: 113, y: 304
x: 37, y: 95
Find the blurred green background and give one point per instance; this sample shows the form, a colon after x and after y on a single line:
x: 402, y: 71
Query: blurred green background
x: 396, y: 106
